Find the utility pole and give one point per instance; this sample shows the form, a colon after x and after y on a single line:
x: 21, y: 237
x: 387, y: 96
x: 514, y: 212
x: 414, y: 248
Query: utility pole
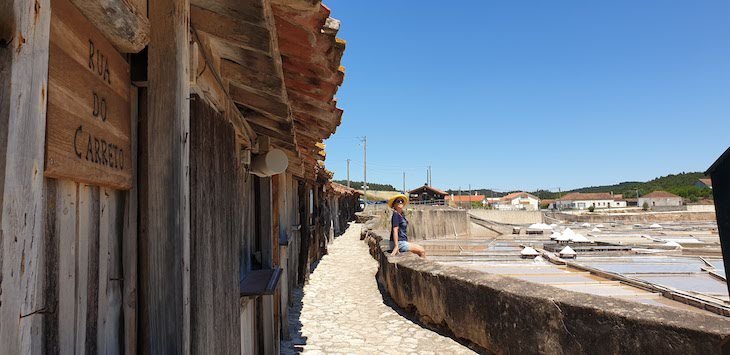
x: 468, y: 205
x: 429, y: 175
x: 348, y: 172
x: 404, y: 182
x: 365, y: 169
x: 560, y: 196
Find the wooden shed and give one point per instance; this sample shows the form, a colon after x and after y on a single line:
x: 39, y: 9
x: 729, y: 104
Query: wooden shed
x: 720, y: 174
x: 163, y: 185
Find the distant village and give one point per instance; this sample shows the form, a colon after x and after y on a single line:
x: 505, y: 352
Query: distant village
x: 656, y: 200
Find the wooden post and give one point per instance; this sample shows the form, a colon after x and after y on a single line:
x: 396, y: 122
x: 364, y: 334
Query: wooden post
x: 24, y: 43
x: 129, y: 240
x: 720, y: 173
x: 165, y: 263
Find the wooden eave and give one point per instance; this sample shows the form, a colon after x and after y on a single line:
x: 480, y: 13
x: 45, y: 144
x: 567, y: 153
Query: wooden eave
x: 277, y: 63
x: 311, y: 55
x: 239, y: 39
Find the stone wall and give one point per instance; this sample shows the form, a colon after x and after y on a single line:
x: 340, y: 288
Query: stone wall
x: 701, y: 208
x: 430, y: 223
x: 641, y: 217
x: 510, y: 316
x: 508, y: 217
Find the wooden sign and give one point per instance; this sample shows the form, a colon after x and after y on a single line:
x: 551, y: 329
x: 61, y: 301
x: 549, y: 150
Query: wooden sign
x: 88, y: 124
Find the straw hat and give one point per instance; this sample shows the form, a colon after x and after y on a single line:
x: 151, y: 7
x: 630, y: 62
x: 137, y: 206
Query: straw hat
x: 398, y: 196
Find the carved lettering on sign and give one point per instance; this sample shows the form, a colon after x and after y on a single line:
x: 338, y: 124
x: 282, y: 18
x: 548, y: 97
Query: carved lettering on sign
x: 99, y: 63
x: 98, y: 150
x: 89, y: 119
x: 99, y: 107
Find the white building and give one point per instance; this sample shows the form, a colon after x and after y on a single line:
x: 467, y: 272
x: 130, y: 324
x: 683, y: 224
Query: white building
x: 660, y: 199
x: 582, y: 201
x: 518, y: 201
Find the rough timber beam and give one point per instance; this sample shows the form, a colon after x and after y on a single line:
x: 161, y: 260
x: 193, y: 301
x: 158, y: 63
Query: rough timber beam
x: 240, y: 33
x: 283, y: 140
x: 207, y: 83
x: 249, y: 11
x: 121, y: 23
x: 254, y: 72
x: 165, y: 281
x: 266, y: 104
x: 24, y: 45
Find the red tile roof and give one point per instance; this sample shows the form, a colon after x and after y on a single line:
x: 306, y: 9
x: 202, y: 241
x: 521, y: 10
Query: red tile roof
x: 426, y: 187
x: 587, y: 196
x: 519, y: 194
x: 707, y: 182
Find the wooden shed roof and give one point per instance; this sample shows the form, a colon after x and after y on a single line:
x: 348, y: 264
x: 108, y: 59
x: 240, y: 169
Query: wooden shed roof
x: 278, y: 63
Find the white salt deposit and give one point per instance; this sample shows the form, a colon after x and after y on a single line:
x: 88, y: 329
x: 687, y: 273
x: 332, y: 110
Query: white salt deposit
x: 567, y: 251
x: 541, y: 226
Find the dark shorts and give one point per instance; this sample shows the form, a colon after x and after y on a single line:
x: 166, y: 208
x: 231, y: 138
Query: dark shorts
x: 402, y: 246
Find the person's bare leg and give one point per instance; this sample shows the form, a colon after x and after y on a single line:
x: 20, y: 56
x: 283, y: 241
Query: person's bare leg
x: 417, y: 249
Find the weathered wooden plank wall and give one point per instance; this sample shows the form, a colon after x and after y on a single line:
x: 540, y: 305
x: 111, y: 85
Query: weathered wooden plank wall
x: 294, y: 247
x: 164, y: 259
x: 24, y: 39
x: 216, y: 232
x: 138, y: 98
x: 248, y: 327
x: 84, y: 227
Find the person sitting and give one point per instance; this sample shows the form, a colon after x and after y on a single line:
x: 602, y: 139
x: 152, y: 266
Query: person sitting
x: 399, y: 229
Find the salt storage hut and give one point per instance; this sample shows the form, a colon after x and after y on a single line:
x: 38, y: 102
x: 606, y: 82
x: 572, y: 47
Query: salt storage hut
x: 567, y: 253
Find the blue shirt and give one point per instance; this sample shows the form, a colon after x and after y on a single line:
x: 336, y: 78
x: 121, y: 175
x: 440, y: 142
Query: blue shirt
x: 399, y: 221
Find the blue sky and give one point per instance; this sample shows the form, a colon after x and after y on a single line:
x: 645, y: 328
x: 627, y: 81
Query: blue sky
x: 532, y: 94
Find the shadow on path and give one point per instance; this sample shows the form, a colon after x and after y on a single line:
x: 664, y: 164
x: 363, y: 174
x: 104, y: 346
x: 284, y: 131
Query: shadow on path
x: 412, y: 315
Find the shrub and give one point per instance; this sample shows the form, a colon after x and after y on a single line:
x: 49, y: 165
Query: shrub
x: 591, y: 208
x: 645, y: 206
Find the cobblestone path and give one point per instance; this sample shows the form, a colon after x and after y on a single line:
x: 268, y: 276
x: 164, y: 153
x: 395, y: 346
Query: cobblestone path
x: 341, y: 310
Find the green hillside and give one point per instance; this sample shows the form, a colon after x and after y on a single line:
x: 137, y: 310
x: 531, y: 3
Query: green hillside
x: 678, y: 184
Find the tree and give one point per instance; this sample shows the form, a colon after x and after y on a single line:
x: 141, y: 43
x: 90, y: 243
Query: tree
x: 591, y: 208
x: 645, y: 206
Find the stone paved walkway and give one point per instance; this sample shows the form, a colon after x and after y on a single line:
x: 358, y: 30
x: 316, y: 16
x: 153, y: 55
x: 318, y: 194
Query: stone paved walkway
x: 341, y: 310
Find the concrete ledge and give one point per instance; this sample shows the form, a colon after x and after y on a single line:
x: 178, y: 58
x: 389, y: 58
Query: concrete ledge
x: 429, y: 223
x: 506, y: 315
